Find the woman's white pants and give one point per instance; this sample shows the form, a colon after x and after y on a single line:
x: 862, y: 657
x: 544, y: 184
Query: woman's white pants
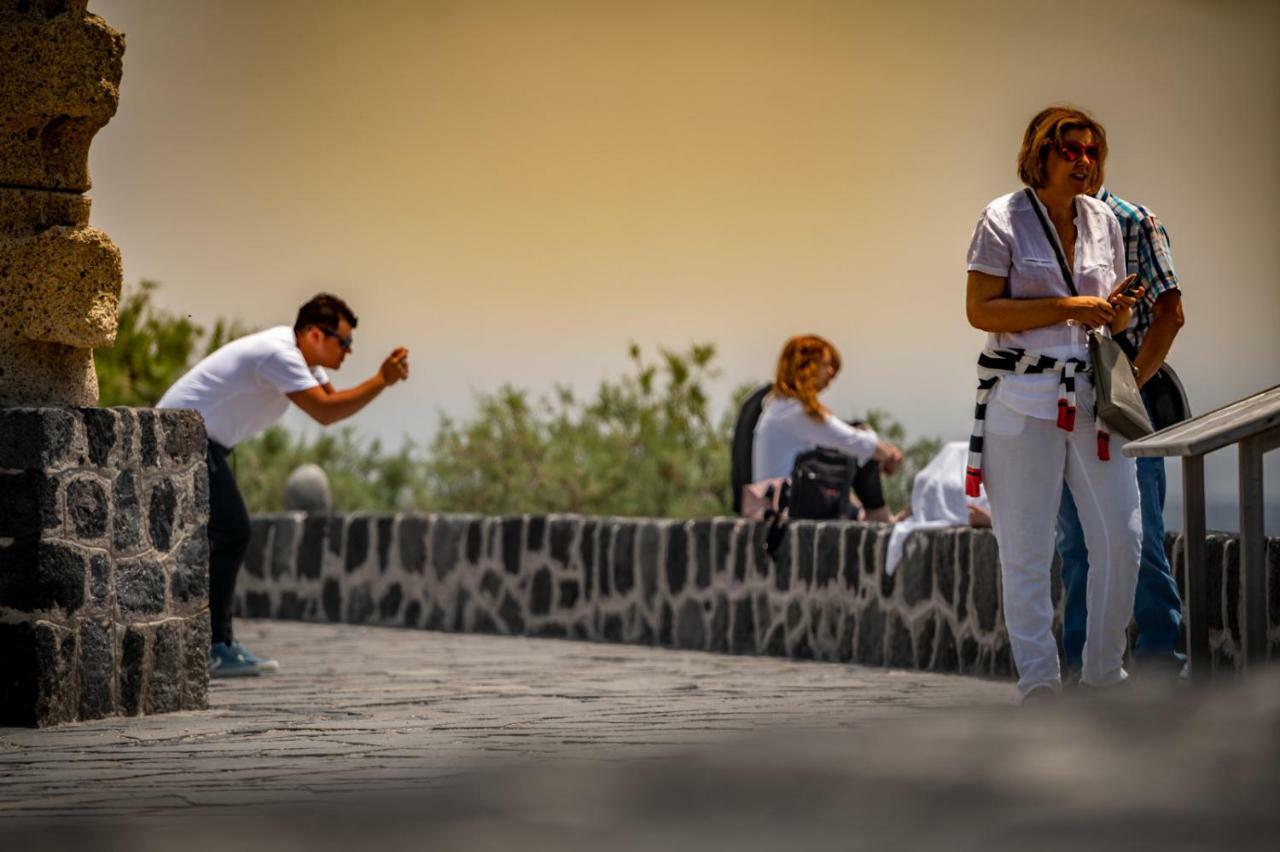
x: 1025, y: 461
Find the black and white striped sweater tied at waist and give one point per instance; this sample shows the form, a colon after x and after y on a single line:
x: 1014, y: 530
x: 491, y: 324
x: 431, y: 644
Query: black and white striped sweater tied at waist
x: 994, y: 363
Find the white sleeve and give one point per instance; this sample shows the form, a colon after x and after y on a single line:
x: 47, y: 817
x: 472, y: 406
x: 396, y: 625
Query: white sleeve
x: 838, y: 435
x: 1118, y: 260
x: 287, y: 371
x: 989, y: 249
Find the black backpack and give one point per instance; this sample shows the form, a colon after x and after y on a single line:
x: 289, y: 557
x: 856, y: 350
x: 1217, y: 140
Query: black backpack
x: 820, y: 483
x: 744, y: 433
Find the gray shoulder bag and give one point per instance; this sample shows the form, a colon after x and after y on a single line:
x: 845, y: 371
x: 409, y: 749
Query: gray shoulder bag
x: 1119, y: 400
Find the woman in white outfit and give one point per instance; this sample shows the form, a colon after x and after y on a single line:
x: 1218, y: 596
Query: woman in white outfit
x: 794, y: 421
x: 1036, y: 427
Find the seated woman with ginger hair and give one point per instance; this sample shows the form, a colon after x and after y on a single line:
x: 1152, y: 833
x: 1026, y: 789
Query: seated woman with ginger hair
x: 794, y: 422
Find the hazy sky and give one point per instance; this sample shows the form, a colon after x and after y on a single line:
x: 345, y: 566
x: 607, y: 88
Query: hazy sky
x: 515, y: 190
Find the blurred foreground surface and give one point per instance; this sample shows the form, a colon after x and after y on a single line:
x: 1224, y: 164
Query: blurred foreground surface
x: 390, y: 739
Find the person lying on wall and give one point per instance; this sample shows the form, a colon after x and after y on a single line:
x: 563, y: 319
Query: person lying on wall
x: 240, y: 390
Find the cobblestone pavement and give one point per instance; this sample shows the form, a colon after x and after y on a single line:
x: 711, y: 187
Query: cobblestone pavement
x: 374, y: 709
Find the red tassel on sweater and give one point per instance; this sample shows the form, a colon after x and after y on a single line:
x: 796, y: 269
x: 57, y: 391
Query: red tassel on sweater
x: 972, y: 481
x: 1066, y: 416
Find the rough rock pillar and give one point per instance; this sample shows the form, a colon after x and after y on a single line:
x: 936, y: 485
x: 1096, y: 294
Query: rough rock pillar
x: 60, y: 69
x: 103, y: 548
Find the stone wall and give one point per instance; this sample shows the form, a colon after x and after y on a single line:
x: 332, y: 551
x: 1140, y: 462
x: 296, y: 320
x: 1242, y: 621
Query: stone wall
x: 698, y: 584
x: 103, y: 563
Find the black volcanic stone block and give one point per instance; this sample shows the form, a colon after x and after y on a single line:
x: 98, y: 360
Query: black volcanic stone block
x: 438, y: 619
x: 97, y: 670
x: 795, y: 614
x: 412, y: 537
x: 867, y: 554
x: 851, y: 568
x: 587, y: 544
x: 334, y: 538
x: 1231, y: 577
x: 986, y: 592
x: 947, y: 658
x: 512, y: 532
x: 612, y: 628
x: 100, y: 434
x: 826, y: 555
x: 195, y: 662
x: 184, y: 436
x: 461, y: 604
x: 164, y: 692
x: 700, y: 533
x: 331, y: 600
x: 742, y: 540
x: 99, y: 580
x: 969, y: 654
x: 21, y: 501
x: 568, y: 594
x: 161, y: 514
x: 475, y: 540
x: 677, y: 559
x: 444, y: 546
x: 624, y: 546
x: 132, y: 670
x: 805, y: 534
x: 743, y: 639
x: 1273, y: 584
x: 649, y: 561
x: 944, y: 566
x: 764, y: 612
x: 255, y: 556
x: 901, y: 648
x: 848, y: 629
x: 871, y: 635
x: 35, y: 438
x: 140, y: 586
x: 802, y: 650
x: 482, y: 622
x: 512, y: 615
x: 782, y: 561
x: 189, y: 579
x: 359, y: 605
x: 561, y: 538
x: 310, y: 559
x: 1213, y: 575
x: 924, y: 644
x: 27, y: 655
x: 762, y: 561
x: 413, y: 614
x: 148, y: 445
x: 257, y: 605
x: 490, y: 585
x: 87, y: 504
x: 916, y: 569
x: 291, y: 608
x: 535, y: 533
x: 127, y: 527
x: 665, y: 625
x: 1002, y: 662
x: 384, y: 536
x: 721, y: 544
x: 720, y: 625
x: 389, y: 603
x: 540, y: 593
x: 605, y: 564
x: 691, y: 628
x: 41, y: 576
x: 357, y: 545
x: 775, y: 644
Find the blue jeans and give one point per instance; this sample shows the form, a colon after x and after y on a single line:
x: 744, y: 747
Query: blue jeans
x: 1157, y: 606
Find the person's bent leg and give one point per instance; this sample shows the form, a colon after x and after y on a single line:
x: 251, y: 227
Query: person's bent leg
x: 1157, y: 604
x: 1023, y: 460
x: 229, y: 533
x: 1074, y: 556
x: 1106, y: 498
x: 870, y: 490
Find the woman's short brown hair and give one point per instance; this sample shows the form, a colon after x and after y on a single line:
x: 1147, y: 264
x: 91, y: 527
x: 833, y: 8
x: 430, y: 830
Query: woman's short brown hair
x: 1047, y: 129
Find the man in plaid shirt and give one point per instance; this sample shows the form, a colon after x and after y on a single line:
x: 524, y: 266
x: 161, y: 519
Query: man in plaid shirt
x: 1156, y: 320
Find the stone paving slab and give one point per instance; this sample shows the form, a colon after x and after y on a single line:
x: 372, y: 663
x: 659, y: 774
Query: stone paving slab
x: 355, y: 707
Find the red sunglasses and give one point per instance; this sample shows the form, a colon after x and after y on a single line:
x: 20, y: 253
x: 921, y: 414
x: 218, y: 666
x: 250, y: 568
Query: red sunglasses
x: 1072, y: 151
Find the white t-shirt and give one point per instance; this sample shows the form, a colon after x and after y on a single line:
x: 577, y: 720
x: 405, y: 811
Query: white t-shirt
x: 240, y: 389
x: 785, y: 430
x: 1009, y: 242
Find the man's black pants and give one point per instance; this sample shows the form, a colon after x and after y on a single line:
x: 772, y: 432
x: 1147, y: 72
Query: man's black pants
x: 228, y: 540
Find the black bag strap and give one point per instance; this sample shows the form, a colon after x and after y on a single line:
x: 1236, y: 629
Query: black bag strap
x: 1053, y: 241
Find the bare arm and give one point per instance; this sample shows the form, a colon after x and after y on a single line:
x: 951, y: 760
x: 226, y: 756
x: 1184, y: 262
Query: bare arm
x: 326, y: 405
x: 1166, y: 321
x: 990, y: 310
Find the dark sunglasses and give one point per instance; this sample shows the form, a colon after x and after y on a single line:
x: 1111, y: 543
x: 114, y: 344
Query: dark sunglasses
x: 1072, y: 151
x: 344, y: 342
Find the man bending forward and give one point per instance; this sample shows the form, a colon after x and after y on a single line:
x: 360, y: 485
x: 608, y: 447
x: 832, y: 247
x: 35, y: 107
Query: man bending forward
x: 242, y: 389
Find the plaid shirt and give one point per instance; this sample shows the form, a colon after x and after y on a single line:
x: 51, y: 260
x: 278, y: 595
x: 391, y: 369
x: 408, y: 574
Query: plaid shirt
x: 1147, y: 254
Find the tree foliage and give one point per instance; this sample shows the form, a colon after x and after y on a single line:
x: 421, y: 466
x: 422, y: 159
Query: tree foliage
x: 644, y: 443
